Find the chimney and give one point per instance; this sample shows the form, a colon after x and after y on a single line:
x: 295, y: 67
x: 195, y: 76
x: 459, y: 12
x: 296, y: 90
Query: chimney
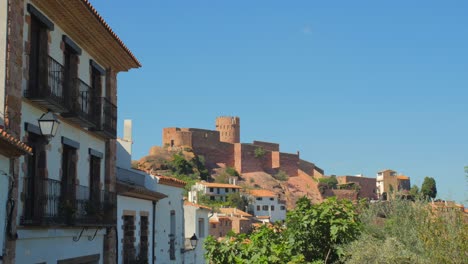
x: 124, y: 146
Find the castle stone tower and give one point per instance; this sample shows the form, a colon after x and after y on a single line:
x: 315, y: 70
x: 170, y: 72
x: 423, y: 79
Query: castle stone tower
x: 229, y: 129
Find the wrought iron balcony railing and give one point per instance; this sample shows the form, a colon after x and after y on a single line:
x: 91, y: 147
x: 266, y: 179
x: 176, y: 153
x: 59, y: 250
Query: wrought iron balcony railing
x: 80, y: 104
x: 47, y: 87
x: 106, y: 120
x: 48, y: 202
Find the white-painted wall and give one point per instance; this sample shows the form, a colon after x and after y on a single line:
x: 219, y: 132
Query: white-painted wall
x: 174, y: 201
x: 4, y: 183
x: 56, y: 243
x: 276, y: 215
x: 137, y: 205
x: 50, y: 245
x: 56, y: 53
x: 192, y: 214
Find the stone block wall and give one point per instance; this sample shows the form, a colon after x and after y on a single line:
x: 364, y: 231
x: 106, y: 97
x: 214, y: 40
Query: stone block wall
x: 289, y: 163
x: 176, y: 137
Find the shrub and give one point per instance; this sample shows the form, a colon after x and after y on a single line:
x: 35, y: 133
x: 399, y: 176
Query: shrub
x: 259, y: 152
x: 281, y: 176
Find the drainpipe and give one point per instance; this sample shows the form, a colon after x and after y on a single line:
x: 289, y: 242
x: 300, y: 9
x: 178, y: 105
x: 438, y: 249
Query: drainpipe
x: 116, y: 244
x: 154, y: 232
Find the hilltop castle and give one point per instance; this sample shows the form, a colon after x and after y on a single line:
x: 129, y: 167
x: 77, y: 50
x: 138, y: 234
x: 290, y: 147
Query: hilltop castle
x: 222, y: 147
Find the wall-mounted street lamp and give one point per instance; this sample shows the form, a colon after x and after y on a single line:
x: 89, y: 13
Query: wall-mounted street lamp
x: 48, y: 124
x: 194, y: 241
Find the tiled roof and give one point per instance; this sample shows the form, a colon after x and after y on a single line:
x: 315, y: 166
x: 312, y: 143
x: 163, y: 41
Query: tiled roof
x: 12, y: 146
x: 402, y: 177
x: 263, y: 217
x: 262, y: 193
x: 197, y: 205
x: 109, y: 29
x: 138, y: 192
x: 219, y: 185
x: 171, y: 181
x: 234, y: 211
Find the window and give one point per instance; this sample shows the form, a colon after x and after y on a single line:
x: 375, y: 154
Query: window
x: 272, y: 208
x: 211, y: 189
x: 144, y: 236
x: 95, y: 179
x: 233, y: 189
x: 38, y: 56
x: 172, y: 236
x: 283, y: 207
x: 272, y: 199
x: 129, y: 251
x: 71, y: 92
x: 259, y: 198
x: 96, y: 91
x: 258, y: 207
x: 69, y: 166
x: 34, y: 183
x: 265, y: 208
x: 212, y: 198
x: 226, y: 190
x: 201, y: 227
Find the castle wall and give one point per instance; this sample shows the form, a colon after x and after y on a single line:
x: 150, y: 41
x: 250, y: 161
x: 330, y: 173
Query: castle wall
x: 289, y: 163
x: 267, y: 145
x: 307, y: 167
x: 368, y: 185
x: 174, y: 136
x: 249, y: 163
x: 275, y: 159
x: 229, y: 129
x: 207, y: 144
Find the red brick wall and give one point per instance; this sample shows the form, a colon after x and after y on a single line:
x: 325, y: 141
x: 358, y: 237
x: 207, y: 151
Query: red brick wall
x: 267, y: 145
x: 289, y: 163
x: 252, y: 164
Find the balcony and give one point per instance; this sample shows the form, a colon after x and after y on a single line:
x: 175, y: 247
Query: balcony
x: 47, y: 88
x: 106, y: 121
x: 80, y: 105
x: 45, y: 204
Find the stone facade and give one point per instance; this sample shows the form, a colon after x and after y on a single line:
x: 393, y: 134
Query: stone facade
x: 367, y: 186
x: 223, y: 146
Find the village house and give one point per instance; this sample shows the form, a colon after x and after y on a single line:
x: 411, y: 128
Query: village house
x: 170, y: 223
x: 61, y: 100
x: 220, y: 225
x: 388, y: 181
x: 241, y: 221
x: 136, y: 206
x: 265, y: 206
x: 196, y: 218
x: 214, y: 191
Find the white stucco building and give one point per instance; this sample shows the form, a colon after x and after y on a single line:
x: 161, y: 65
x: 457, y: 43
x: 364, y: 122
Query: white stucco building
x: 213, y: 190
x: 265, y: 206
x: 65, y: 205
x: 136, y: 206
x: 196, y: 222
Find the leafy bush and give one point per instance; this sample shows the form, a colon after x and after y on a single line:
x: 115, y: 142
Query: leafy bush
x: 231, y: 171
x: 259, y: 152
x: 329, y: 182
x: 281, y: 176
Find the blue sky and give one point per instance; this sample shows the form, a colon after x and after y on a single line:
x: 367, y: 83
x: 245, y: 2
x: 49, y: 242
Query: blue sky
x: 355, y: 86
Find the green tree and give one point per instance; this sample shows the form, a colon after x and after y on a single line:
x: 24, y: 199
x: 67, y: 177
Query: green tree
x: 237, y: 200
x: 414, y: 191
x: 319, y: 231
x: 330, y: 182
x: 231, y: 171
x: 428, y: 188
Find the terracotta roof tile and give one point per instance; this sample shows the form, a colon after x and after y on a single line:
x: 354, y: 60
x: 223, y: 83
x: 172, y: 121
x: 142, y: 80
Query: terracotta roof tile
x: 171, y: 181
x: 19, y: 147
x: 219, y: 185
x: 262, y: 193
x: 234, y: 211
x: 402, y: 177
